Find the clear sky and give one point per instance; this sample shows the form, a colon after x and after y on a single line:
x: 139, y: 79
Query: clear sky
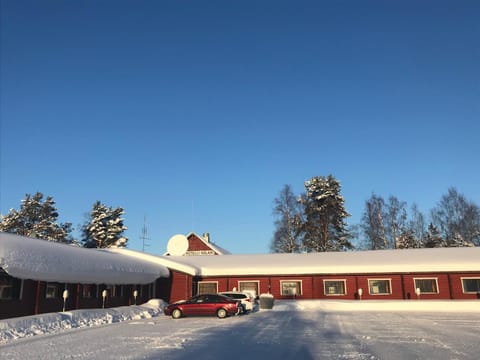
x: 194, y: 114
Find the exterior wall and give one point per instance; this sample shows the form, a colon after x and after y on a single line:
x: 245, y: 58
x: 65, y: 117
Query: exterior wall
x: 182, y: 286
x: 20, y: 307
x: 401, y: 286
x: 396, y: 287
x: 195, y: 244
x: 319, y: 287
x: 456, y: 286
x: 306, y: 291
x: 263, y: 283
x: 442, y: 281
x: 33, y: 298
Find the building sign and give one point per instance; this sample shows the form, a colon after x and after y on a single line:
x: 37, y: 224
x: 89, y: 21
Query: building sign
x: 199, y: 252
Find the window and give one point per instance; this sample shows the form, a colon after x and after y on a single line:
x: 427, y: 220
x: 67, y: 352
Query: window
x: 471, y: 285
x: 379, y: 286
x: 9, y: 286
x: 426, y: 286
x: 334, y: 287
x: 89, y: 291
x: 249, y: 285
x: 207, y: 287
x: 291, y: 287
x: 51, y: 291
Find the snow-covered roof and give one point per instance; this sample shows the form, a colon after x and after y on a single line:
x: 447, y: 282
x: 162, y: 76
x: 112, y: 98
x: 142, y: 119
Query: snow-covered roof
x: 27, y: 258
x: 167, y: 261
x: 359, y: 262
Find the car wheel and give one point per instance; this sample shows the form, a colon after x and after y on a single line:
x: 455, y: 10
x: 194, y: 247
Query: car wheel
x: 176, y: 314
x: 222, y: 313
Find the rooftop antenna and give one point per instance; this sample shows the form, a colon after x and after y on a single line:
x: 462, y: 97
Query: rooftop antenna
x: 144, y: 237
x: 193, y: 215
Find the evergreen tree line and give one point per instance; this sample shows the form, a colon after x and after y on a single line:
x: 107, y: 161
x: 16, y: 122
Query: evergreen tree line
x: 316, y: 221
x: 38, y: 218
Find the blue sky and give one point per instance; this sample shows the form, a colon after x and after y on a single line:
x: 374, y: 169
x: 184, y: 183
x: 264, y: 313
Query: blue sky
x: 194, y: 114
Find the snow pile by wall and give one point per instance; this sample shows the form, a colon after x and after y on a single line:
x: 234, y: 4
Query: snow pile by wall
x: 16, y: 328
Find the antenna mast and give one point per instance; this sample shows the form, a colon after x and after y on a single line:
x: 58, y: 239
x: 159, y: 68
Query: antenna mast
x: 144, y: 237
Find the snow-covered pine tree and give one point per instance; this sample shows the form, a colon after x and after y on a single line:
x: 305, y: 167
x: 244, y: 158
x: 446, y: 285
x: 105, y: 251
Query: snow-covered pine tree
x: 105, y: 227
x: 287, y: 234
x: 433, y: 238
x: 324, y: 226
x: 36, y: 218
x: 406, y: 240
x: 458, y: 241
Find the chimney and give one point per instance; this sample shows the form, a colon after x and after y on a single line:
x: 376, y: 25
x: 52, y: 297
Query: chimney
x: 206, y: 236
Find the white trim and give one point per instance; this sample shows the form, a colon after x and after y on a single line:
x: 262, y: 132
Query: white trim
x: 426, y: 278
x: 468, y: 278
x: 206, y: 282
x: 381, y: 279
x: 335, y: 294
x: 291, y: 280
x: 51, y: 285
x: 249, y: 281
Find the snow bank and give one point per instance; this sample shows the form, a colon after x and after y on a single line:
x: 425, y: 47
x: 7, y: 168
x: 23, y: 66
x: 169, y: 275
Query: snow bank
x: 440, y: 306
x: 17, y: 328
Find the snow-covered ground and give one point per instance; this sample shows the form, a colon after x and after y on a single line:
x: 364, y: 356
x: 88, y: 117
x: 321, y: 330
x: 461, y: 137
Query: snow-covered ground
x: 315, y: 329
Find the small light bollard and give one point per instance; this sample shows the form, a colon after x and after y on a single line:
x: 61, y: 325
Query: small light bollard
x: 135, y: 294
x: 65, y: 297
x: 418, y: 292
x: 360, y: 293
x: 104, y: 296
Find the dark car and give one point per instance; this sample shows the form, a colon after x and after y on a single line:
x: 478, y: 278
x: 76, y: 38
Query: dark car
x: 205, y: 304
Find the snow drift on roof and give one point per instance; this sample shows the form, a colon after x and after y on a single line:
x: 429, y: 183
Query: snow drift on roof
x: 167, y: 261
x: 358, y: 262
x: 27, y: 258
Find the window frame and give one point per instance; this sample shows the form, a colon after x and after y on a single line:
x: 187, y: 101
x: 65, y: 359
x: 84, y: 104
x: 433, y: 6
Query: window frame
x: 14, y: 285
x: 257, y: 282
x: 470, y: 278
x: 389, y: 280
x: 207, y: 282
x: 49, y: 294
x: 326, y: 293
x: 300, y: 287
x: 426, y: 292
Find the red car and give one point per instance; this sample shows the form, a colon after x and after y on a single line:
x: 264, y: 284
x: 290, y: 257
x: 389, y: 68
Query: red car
x: 205, y: 304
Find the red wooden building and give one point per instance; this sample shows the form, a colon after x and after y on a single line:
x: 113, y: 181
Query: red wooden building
x: 34, y: 274
x: 440, y: 273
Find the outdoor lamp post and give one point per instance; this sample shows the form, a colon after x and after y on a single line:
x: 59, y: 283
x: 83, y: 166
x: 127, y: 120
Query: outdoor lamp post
x: 135, y: 294
x: 360, y: 292
x: 104, y: 296
x: 65, y: 297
